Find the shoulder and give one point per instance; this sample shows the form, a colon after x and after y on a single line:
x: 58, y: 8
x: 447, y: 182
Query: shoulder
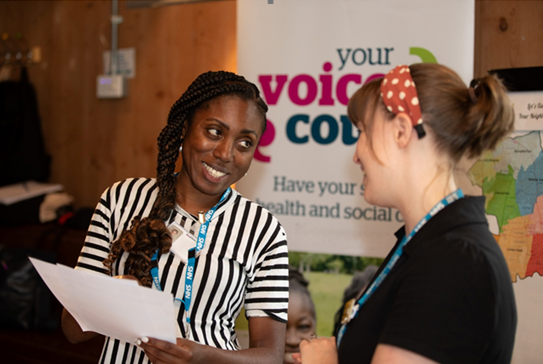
x: 265, y: 229
x: 132, y: 186
x: 129, y: 184
x: 457, y: 238
x: 129, y: 190
x: 263, y: 212
x: 467, y: 261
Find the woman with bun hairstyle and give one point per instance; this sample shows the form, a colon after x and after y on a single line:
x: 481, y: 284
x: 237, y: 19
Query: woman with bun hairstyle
x: 444, y: 293
x: 235, y: 250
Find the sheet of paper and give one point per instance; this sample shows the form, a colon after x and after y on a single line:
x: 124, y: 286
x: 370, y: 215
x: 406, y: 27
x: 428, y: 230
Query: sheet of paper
x: 109, y: 306
x: 25, y: 190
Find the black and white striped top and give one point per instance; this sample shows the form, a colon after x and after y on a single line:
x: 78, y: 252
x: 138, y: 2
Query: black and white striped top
x: 244, y: 261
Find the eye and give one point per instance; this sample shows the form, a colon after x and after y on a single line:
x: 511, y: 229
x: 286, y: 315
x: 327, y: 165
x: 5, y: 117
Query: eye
x: 214, y: 132
x: 247, y: 144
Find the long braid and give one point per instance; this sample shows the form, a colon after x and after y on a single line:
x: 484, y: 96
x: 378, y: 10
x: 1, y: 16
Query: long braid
x: 150, y: 234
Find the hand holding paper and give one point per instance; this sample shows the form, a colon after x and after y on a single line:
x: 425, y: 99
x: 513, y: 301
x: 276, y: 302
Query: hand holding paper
x: 112, y: 307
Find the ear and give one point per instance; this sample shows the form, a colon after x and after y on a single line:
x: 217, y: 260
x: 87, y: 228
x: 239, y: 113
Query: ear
x: 403, y: 129
x: 184, y: 131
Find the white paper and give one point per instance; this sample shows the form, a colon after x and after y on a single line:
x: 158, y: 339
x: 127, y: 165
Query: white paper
x: 528, y: 107
x: 25, y: 190
x: 111, y: 307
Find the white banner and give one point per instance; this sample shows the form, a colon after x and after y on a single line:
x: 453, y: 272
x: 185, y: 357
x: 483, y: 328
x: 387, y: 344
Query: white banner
x: 307, y: 58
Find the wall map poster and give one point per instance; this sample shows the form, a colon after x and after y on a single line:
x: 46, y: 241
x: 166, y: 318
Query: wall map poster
x: 511, y: 179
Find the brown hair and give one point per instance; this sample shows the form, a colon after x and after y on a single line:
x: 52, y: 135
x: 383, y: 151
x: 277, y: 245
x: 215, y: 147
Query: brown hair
x: 149, y: 234
x: 460, y: 124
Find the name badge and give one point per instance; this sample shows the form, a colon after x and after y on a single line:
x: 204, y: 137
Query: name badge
x: 182, y: 241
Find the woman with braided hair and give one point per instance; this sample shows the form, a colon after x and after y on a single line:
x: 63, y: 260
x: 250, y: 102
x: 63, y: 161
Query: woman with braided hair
x: 444, y: 293
x: 227, y: 251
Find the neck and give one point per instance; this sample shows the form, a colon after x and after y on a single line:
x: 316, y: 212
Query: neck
x: 418, y: 204
x: 195, y: 205
x: 192, y: 200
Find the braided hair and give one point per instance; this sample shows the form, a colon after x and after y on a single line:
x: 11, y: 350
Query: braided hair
x: 298, y: 283
x: 150, y: 234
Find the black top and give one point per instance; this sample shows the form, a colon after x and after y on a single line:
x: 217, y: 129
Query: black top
x: 448, y: 298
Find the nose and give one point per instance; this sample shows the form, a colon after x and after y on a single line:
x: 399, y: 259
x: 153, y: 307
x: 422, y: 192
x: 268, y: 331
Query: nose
x: 291, y: 338
x: 224, y: 150
x: 356, y: 160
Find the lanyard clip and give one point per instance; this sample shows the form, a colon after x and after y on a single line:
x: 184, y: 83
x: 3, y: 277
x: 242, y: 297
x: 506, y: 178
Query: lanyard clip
x: 348, y: 311
x: 201, y: 217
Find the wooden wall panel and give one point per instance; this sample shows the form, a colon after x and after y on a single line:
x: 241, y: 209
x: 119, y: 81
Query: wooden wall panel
x: 508, y: 34
x: 95, y: 142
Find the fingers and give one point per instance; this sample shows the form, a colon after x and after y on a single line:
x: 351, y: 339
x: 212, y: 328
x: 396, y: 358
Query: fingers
x: 319, y: 350
x: 160, y: 351
x: 313, y: 336
x: 297, y: 358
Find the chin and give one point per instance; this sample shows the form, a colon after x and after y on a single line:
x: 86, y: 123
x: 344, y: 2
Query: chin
x: 368, y: 196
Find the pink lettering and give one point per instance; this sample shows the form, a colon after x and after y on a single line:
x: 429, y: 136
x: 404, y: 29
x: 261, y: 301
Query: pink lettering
x: 271, y: 96
x: 341, y: 88
x: 326, y: 81
x: 294, y: 90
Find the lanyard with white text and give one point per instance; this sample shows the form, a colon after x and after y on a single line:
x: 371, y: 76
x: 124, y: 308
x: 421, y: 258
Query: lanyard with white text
x: 394, y: 258
x: 200, y: 243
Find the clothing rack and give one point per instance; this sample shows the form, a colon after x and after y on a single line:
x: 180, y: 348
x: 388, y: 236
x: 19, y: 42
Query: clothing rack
x: 14, y: 53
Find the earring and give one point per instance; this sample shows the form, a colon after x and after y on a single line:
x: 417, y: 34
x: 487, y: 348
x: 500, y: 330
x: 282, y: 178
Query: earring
x: 245, y: 174
x: 181, y: 148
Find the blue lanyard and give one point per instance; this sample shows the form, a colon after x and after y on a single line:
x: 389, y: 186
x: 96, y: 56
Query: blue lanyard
x: 396, y: 256
x: 200, y: 243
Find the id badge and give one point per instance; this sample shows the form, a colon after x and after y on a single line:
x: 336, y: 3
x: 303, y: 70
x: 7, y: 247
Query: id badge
x: 182, y: 241
x: 348, y: 311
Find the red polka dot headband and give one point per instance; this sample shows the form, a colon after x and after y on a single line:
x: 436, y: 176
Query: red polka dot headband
x: 399, y: 94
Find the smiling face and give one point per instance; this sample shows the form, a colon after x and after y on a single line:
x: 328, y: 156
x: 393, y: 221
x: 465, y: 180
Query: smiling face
x: 219, y: 146
x: 301, y: 323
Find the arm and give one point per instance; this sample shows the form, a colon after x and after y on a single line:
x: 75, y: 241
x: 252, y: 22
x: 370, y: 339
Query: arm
x: 267, y: 343
x: 73, y: 331
x: 94, y: 251
x: 323, y: 351
x: 388, y: 354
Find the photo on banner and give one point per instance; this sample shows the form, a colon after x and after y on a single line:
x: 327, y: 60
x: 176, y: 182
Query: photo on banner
x: 333, y: 280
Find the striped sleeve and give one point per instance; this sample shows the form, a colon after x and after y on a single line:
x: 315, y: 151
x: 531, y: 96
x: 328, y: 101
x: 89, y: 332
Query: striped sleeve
x: 267, y: 290
x: 113, y: 214
x: 97, y: 242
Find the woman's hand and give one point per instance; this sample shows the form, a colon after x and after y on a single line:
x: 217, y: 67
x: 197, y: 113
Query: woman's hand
x: 320, y: 350
x: 160, y: 351
x: 266, y: 342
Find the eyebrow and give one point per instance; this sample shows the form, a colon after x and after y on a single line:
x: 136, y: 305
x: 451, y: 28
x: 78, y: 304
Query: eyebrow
x: 227, y: 127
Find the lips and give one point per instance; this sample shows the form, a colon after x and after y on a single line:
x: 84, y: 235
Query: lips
x: 213, y: 172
